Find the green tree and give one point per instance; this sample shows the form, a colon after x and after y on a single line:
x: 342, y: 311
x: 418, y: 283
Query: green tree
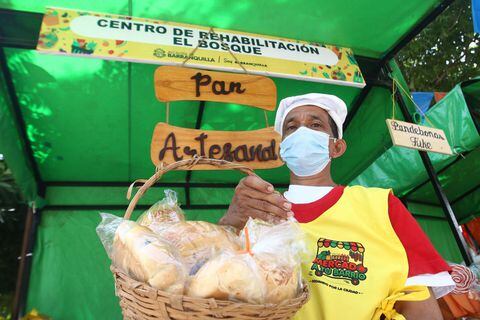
x: 443, y: 54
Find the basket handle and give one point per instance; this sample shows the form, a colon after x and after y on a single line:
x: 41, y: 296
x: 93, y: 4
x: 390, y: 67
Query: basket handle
x: 189, y: 163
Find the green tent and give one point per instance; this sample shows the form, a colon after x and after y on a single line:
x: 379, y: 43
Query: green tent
x: 76, y: 132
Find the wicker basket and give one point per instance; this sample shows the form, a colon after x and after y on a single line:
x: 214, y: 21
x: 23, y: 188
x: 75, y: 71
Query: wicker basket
x: 139, y: 301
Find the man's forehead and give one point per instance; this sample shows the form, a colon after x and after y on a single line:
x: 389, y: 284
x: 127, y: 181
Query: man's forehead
x: 307, y: 110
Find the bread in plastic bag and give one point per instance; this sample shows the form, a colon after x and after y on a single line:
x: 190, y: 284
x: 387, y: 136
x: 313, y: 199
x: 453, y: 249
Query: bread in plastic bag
x: 197, y: 241
x: 165, y: 210
x: 142, y: 254
x: 268, y: 272
x: 229, y: 276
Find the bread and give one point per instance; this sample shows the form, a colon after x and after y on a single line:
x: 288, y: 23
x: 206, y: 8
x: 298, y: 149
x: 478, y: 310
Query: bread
x: 147, y: 258
x: 161, y: 212
x: 197, y: 241
x: 281, y: 280
x: 228, y: 277
x: 254, y: 279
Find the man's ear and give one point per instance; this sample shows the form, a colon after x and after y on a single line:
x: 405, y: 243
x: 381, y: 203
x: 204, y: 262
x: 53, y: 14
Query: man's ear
x: 339, y: 148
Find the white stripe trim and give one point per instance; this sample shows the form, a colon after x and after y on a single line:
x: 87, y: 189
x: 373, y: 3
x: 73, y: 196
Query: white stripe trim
x: 441, y: 283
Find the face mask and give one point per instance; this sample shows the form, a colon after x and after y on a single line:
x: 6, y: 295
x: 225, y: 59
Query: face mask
x: 306, y: 151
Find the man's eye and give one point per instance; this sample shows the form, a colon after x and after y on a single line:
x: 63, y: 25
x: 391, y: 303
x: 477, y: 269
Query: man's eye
x: 316, y: 125
x: 289, y: 128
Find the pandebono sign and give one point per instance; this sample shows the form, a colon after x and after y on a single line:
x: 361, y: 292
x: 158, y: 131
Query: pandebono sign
x: 257, y: 149
x: 108, y: 36
x: 413, y: 136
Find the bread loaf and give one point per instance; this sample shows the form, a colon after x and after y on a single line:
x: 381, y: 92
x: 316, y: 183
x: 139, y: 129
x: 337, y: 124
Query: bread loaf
x: 242, y: 277
x: 147, y: 258
x: 197, y: 241
x: 228, y: 277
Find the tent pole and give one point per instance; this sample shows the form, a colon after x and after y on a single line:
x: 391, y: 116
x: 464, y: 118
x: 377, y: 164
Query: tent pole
x: 475, y: 243
x: 23, y: 277
x: 442, y: 198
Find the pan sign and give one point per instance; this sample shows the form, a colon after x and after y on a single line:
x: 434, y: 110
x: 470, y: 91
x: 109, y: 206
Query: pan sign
x: 257, y: 149
x: 176, y: 83
x: 110, y: 36
x: 413, y: 136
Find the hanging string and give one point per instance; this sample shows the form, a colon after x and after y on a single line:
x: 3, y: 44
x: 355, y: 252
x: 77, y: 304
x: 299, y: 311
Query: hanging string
x: 397, y: 84
x: 190, y: 55
x: 167, y: 111
x: 203, y: 38
x: 394, y: 92
x: 266, y: 118
x: 241, y: 66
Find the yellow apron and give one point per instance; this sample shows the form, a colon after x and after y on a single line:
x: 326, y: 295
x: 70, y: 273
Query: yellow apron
x: 357, y: 266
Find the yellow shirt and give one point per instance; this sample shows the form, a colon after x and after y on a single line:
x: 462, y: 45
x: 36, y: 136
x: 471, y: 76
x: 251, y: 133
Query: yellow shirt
x: 357, y: 266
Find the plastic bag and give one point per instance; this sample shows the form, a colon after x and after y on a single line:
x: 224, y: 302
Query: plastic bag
x: 285, y: 240
x: 164, y: 211
x: 142, y: 254
x: 197, y: 241
x: 268, y: 271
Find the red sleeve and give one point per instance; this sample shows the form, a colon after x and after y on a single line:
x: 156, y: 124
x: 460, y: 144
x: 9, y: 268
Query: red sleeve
x: 422, y: 256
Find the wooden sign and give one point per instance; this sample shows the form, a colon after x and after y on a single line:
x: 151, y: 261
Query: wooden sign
x: 257, y: 149
x: 411, y: 135
x: 177, y: 83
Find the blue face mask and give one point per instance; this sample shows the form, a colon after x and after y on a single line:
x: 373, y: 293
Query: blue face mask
x: 306, y: 151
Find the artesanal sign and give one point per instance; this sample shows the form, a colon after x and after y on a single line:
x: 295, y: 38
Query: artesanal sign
x: 257, y: 149
x: 107, y: 36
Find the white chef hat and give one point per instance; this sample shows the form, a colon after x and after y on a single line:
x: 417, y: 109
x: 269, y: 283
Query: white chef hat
x: 335, y: 107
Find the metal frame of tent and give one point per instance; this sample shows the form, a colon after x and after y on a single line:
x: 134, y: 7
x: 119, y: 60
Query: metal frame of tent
x: 378, y: 69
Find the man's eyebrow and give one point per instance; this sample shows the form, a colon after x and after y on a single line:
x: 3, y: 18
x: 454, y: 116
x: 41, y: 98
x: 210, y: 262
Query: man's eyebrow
x: 313, y: 116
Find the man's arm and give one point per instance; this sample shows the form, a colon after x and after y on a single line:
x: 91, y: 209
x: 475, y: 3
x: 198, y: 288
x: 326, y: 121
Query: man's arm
x: 420, y: 310
x: 255, y: 198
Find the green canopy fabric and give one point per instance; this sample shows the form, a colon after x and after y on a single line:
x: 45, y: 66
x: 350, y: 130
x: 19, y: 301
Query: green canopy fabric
x: 458, y: 173
x: 89, y: 123
x: 330, y: 21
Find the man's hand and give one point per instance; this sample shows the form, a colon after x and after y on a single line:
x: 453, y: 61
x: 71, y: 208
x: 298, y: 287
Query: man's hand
x: 255, y: 198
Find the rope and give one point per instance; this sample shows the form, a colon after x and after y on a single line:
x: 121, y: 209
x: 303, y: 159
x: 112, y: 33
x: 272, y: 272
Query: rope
x: 190, y: 55
x: 266, y: 118
x: 241, y: 66
x: 397, y: 84
x: 167, y: 111
x: 394, y: 91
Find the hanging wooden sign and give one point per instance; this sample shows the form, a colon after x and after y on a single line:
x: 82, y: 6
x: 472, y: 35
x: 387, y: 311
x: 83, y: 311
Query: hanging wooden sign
x: 257, y: 149
x: 411, y: 135
x: 177, y: 83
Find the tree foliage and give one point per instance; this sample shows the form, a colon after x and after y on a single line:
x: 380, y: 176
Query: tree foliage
x: 443, y: 54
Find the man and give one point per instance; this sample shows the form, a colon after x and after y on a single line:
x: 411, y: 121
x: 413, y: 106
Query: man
x: 369, y: 257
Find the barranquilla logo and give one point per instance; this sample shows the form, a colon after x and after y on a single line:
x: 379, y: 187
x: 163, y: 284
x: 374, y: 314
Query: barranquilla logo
x: 340, y: 260
x: 159, y: 53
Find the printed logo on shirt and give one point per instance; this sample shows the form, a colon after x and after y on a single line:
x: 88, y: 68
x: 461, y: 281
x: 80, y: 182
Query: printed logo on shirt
x: 340, y: 260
